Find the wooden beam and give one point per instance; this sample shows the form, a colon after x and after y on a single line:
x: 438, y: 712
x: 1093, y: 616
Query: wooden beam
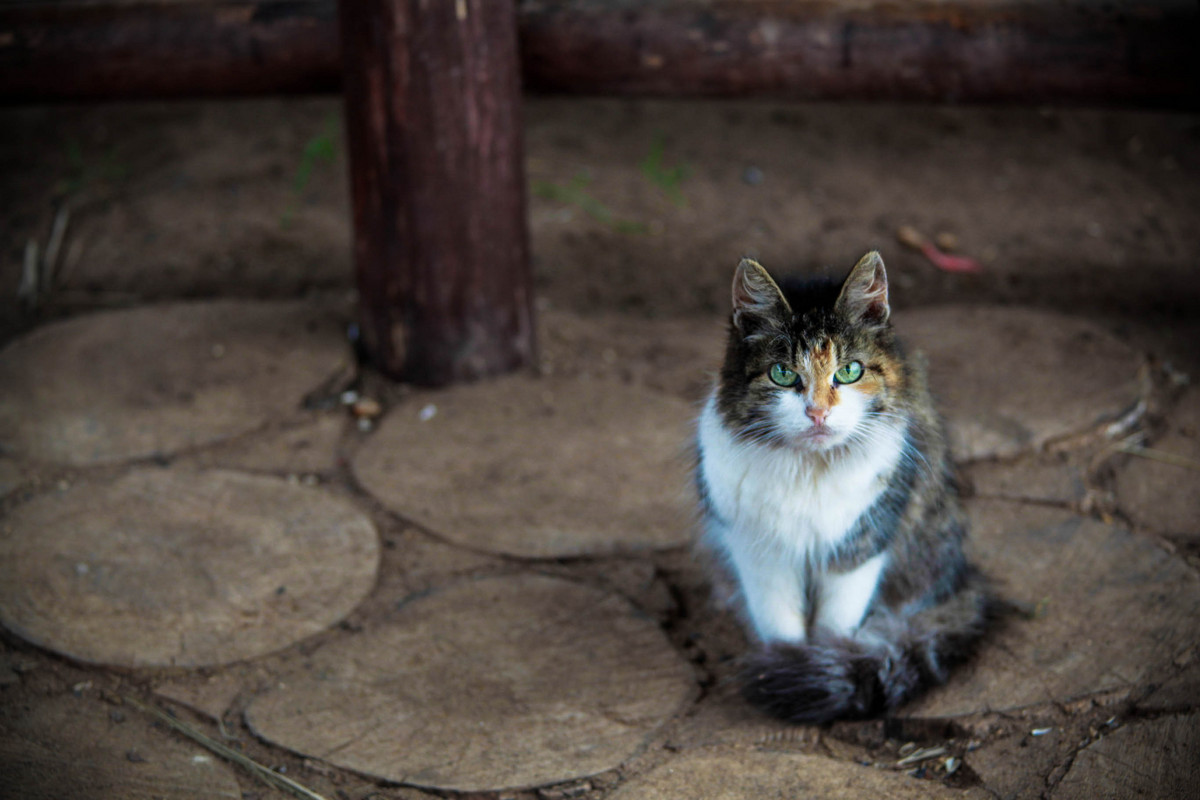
x: 1139, y: 52
x: 990, y: 51
x: 432, y: 104
x: 120, y: 50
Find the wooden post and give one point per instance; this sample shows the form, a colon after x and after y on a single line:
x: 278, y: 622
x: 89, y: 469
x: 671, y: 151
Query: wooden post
x: 432, y: 99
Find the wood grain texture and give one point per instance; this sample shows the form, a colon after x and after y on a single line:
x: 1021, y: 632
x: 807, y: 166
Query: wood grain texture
x: 173, y: 568
x: 1109, y: 611
x: 1020, y: 51
x: 1151, y: 759
x: 151, y: 381
x: 489, y: 684
x: 744, y: 774
x: 538, y: 468
x: 432, y: 98
x: 1009, y: 380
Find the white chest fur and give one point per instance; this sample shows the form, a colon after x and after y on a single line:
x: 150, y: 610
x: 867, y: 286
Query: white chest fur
x: 778, y: 512
x: 802, y: 501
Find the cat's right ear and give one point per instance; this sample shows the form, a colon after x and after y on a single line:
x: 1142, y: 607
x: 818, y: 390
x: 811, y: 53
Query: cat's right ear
x: 864, y: 296
x: 756, y: 297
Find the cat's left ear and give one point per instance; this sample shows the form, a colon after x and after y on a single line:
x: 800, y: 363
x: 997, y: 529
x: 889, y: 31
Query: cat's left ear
x: 864, y: 296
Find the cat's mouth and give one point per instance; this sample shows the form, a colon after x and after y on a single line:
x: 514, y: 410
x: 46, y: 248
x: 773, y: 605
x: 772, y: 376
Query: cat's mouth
x: 819, y: 437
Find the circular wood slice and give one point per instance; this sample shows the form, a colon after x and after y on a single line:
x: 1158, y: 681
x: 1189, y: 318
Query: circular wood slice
x: 537, y: 468
x: 1109, y: 610
x: 1159, y: 491
x: 744, y: 774
x: 182, y: 568
x: 149, y: 381
x: 1010, y: 379
x: 1155, y: 759
x: 485, y: 685
x: 68, y: 747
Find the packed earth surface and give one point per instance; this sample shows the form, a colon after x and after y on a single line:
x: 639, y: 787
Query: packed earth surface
x: 214, y: 521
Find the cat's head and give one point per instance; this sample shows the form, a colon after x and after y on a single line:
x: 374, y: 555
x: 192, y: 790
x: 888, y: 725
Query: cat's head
x: 812, y: 365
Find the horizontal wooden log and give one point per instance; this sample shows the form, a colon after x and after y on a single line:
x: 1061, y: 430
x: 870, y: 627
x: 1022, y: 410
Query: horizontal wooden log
x: 932, y: 50
x: 1133, y: 53
x: 87, y: 50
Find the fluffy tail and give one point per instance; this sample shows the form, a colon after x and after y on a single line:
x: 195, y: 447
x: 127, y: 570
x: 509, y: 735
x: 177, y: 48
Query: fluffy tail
x: 890, y: 660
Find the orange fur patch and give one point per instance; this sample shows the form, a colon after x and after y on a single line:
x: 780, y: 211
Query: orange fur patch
x: 823, y: 363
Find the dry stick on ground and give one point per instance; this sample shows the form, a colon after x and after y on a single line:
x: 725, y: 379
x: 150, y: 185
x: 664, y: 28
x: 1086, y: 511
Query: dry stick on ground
x: 264, y: 774
x: 1158, y: 455
x: 27, y: 291
x: 58, y: 232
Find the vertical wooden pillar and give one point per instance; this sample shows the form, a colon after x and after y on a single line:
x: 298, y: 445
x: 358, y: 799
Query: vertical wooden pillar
x: 432, y: 94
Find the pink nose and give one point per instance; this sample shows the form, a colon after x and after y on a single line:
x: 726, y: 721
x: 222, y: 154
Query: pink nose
x: 817, y: 414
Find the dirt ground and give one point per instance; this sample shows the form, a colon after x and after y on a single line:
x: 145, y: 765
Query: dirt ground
x: 639, y: 211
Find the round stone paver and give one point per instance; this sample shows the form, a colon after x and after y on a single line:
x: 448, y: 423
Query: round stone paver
x: 68, y: 747
x: 1109, y: 610
x: 173, y: 568
x: 150, y: 381
x: 537, y: 468
x: 489, y: 684
x: 1155, y: 759
x: 721, y: 774
x: 1010, y: 379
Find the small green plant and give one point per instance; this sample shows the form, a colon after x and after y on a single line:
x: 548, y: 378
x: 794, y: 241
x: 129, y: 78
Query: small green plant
x: 320, y: 149
x: 83, y: 173
x: 574, y: 193
x: 668, y: 179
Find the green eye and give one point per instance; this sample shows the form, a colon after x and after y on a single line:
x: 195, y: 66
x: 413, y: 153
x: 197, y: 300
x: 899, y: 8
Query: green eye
x: 782, y: 375
x: 849, y: 373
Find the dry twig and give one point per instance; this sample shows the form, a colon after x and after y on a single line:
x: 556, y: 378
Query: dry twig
x: 264, y: 774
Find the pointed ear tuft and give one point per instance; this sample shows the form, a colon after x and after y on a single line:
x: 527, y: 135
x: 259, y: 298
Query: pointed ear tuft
x: 864, y: 296
x: 756, y: 296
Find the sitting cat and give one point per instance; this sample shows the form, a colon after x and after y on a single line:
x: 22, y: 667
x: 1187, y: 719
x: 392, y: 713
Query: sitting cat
x: 827, y: 490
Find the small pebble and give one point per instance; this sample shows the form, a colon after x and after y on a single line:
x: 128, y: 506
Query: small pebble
x: 946, y: 241
x: 909, y: 236
x: 427, y: 413
x: 316, y: 766
x: 367, y: 407
x: 1040, y: 731
x: 365, y: 425
x: 349, y: 397
x: 752, y: 176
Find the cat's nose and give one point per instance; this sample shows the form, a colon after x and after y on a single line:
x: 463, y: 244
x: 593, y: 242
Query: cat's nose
x: 817, y: 414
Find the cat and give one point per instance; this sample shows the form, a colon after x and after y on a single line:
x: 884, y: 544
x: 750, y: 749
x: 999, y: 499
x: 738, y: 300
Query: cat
x: 827, y: 491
